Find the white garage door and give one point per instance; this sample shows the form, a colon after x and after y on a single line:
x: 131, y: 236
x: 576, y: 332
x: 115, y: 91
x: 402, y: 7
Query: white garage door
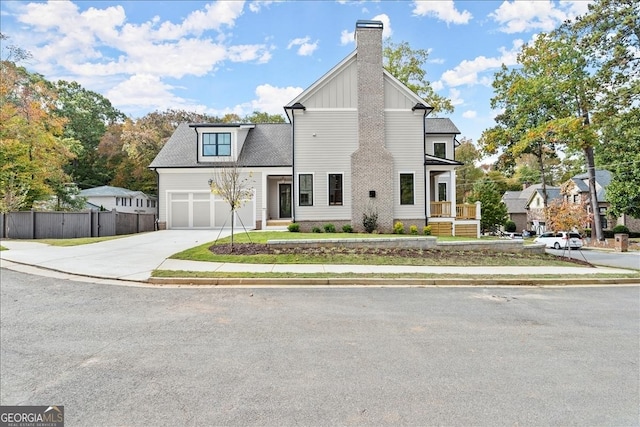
x: 203, y: 210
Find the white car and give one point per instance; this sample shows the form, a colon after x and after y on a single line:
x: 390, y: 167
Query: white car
x: 561, y: 240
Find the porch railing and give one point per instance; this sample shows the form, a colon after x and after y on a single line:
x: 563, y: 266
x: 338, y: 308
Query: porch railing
x: 440, y: 209
x: 466, y: 211
x: 443, y: 209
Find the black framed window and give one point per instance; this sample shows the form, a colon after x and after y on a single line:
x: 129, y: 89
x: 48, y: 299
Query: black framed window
x: 406, y: 189
x: 335, y: 189
x: 440, y: 149
x: 305, y: 189
x: 216, y: 144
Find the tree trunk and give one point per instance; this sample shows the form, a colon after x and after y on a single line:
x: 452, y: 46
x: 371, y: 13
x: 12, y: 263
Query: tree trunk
x: 232, y: 222
x: 593, y: 195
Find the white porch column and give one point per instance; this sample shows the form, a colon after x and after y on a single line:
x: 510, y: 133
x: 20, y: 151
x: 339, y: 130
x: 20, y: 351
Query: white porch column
x: 265, y: 196
x: 452, y: 192
x: 427, y: 192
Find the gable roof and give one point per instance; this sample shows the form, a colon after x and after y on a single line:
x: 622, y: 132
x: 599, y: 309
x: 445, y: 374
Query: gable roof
x: 437, y: 125
x: 346, y: 66
x: 603, y: 179
x: 267, y: 144
x: 517, y: 201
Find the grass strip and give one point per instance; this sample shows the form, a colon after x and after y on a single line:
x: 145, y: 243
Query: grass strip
x: 248, y: 275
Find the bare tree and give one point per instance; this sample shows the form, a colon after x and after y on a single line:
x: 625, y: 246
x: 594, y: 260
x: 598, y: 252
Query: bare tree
x: 233, y: 187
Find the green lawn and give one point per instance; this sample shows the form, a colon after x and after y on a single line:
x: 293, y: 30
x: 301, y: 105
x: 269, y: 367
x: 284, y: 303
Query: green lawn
x: 77, y: 241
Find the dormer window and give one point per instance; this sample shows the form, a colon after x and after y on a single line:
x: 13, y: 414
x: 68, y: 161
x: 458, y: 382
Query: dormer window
x: 216, y: 144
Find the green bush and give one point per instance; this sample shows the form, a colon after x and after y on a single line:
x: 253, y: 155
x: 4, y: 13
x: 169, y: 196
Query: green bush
x: 294, y: 227
x: 509, y: 226
x: 413, y: 230
x: 620, y: 229
x: 347, y: 228
x: 398, y: 228
x: 426, y: 230
x: 370, y: 221
x: 316, y: 230
x: 329, y: 228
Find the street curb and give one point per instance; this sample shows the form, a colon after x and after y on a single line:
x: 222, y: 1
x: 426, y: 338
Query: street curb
x: 389, y: 282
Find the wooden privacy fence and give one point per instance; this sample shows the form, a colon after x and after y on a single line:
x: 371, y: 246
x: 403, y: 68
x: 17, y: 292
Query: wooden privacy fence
x: 68, y: 225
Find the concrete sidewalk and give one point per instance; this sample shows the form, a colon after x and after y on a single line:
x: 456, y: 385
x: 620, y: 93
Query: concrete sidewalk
x: 133, y: 258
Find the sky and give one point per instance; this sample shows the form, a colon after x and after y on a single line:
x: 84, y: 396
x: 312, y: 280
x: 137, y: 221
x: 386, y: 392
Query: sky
x: 221, y: 57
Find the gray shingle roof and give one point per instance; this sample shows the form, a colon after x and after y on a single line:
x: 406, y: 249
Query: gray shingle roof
x: 603, y: 179
x: 108, y: 191
x: 267, y: 144
x: 516, y: 201
x: 440, y: 125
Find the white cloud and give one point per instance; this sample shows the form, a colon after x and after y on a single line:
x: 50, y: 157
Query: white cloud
x: 444, y: 10
x: 304, y: 47
x: 271, y: 99
x: 467, y: 72
x: 454, y: 96
x: 256, y: 5
x: 470, y: 114
x: 143, y: 90
x: 347, y: 36
x: 101, y: 42
x: 538, y: 15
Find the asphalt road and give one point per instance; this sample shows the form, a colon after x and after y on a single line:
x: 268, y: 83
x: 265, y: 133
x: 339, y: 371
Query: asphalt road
x: 139, y: 356
x: 629, y: 260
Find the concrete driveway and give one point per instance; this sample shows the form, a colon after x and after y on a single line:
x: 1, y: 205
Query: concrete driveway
x: 128, y: 258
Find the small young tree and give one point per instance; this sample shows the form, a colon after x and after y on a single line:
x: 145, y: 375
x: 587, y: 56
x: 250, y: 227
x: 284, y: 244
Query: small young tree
x: 562, y: 215
x: 233, y: 187
x: 494, y: 211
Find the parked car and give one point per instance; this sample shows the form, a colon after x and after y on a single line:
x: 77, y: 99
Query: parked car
x: 560, y: 240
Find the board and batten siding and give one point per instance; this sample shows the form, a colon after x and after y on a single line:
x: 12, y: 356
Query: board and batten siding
x: 341, y: 91
x: 404, y: 140
x: 329, y: 151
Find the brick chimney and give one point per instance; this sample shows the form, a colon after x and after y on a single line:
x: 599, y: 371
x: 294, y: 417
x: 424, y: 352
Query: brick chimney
x: 371, y: 163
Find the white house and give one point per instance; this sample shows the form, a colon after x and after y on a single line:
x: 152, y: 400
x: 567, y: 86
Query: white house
x: 122, y: 200
x: 358, y: 142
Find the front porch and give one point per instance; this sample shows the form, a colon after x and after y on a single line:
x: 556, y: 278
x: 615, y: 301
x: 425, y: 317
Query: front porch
x: 446, y: 219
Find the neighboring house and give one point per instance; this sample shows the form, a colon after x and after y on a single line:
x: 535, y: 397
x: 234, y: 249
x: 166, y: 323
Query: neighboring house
x: 576, y: 190
x: 526, y: 207
x: 120, y: 199
x: 357, y: 143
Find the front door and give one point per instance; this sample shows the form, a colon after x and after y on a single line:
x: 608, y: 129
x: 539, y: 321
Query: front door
x: 285, y: 200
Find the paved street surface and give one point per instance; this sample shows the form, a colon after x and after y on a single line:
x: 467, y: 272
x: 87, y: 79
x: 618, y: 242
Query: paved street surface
x: 602, y: 258
x: 142, y: 356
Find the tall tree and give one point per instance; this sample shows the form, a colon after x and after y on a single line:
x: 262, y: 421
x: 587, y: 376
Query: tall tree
x: 87, y: 116
x: 32, y: 150
x: 469, y: 173
x: 258, y: 117
x: 406, y: 65
x: 609, y: 36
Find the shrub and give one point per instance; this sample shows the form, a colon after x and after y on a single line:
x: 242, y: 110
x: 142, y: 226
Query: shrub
x: 398, y: 228
x: 509, y: 226
x: 426, y: 230
x: 329, y: 228
x: 413, y: 230
x: 370, y: 221
x: 294, y: 227
x: 620, y: 229
x: 316, y: 230
x: 347, y: 228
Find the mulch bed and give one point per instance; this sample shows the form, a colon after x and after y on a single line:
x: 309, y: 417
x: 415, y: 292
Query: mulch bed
x: 450, y: 256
